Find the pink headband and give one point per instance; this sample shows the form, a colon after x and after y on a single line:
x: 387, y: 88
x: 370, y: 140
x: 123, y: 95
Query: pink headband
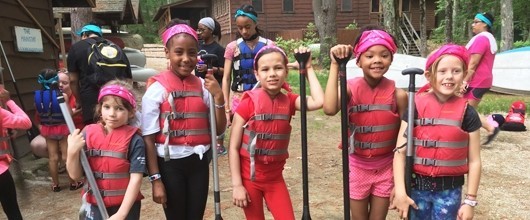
x: 177, y: 29
x: 273, y: 48
x: 448, y: 49
x: 119, y: 91
x: 374, y: 37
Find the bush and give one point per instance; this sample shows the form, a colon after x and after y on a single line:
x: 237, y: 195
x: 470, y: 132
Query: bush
x: 310, y: 37
x: 518, y: 44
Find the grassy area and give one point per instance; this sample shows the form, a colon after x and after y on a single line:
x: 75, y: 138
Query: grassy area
x: 491, y: 102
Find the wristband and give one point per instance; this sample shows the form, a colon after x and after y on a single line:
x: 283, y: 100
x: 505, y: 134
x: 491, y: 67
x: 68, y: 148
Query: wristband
x: 154, y: 177
x: 220, y: 106
x: 470, y: 202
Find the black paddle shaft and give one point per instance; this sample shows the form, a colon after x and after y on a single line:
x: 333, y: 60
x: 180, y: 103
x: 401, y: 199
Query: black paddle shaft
x: 344, y: 133
x: 302, y: 59
x: 409, y: 161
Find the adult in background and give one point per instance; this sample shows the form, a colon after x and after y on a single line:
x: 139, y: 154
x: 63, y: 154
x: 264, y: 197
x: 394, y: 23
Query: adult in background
x: 239, y: 58
x: 209, y: 29
x: 80, y: 71
x: 479, y: 78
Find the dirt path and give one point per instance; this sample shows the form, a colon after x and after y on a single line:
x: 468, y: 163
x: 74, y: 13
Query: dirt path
x: 503, y: 193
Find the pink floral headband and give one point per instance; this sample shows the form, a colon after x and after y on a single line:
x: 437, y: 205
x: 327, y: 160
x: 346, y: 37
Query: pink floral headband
x: 119, y: 91
x: 177, y: 29
x: 371, y: 38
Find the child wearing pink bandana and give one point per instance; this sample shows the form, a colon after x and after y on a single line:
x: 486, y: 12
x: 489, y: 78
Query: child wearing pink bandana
x: 176, y: 128
x: 446, y: 144
x: 115, y: 151
x: 374, y: 108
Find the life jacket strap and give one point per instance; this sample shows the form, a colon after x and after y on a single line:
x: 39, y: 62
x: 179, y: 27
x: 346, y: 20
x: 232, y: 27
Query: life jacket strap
x: 99, y: 175
x: 437, y: 121
x: 182, y: 94
x: 366, y: 108
x: 267, y: 136
x: 270, y: 117
x: 182, y: 115
x: 373, y: 145
x: 441, y: 163
x: 370, y: 129
x: 447, y: 144
x: 104, y: 153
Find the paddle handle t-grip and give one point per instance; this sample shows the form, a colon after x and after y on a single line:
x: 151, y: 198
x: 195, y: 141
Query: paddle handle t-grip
x: 412, y: 72
x: 302, y: 59
x: 342, y: 62
x: 209, y: 59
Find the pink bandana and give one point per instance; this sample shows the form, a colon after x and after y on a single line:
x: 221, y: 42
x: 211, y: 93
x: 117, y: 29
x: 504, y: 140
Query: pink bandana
x: 119, y: 91
x: 371, y: 38
x: 177, y: 29
x: 450, y: 49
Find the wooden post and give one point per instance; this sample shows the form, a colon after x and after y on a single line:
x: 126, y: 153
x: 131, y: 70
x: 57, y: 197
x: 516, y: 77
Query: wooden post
x: 59, y: 29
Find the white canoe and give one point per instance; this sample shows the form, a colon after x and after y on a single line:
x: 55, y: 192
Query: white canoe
x: 511, y: 72
x: 401, y: 62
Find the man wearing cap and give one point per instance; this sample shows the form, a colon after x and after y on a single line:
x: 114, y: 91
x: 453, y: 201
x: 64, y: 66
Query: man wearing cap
x: 78, y: 67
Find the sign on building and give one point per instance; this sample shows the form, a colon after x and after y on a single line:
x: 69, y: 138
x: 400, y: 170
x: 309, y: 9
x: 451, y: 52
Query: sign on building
x: 28, y: 39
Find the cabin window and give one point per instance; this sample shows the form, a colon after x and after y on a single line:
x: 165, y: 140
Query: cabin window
x: 288, y: 6
x: 375, y: 6
x: 258, y: 5
x: 346, y: 5
x: 405, y: 5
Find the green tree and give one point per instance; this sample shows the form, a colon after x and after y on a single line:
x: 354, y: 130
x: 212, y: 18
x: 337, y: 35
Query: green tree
x: 149, y: 29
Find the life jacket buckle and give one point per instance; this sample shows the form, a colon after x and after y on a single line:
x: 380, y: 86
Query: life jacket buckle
x: 176, y: 115
x: 426, y: 121
x: 265, y: 136
x: 429, y: 143
x: 177, y: 133
x: 428, y: 162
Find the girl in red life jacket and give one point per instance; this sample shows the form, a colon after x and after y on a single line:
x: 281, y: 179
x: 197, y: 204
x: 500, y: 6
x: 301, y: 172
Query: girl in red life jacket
x: 12, y: 117
x: 260, y: 136
x: 375, y: 106
x: 175, y: 126
x: 115, y: 152
x: 446, y: 144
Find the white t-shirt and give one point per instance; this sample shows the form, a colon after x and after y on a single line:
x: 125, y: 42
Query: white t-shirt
x: 151, y: 101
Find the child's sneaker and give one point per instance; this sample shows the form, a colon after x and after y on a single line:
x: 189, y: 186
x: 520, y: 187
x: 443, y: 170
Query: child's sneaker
x: 221, y: 150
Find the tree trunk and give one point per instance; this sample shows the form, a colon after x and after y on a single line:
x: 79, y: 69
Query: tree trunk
x: 325, y: 12
x: 506, y: 25
x: 389, y: 17
x: 79, y: 17
x: 423, y: 28
x: 448, y: 21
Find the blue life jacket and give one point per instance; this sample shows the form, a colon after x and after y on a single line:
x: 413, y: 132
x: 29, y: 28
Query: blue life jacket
x: 48, y: 107
x: 242, y: 68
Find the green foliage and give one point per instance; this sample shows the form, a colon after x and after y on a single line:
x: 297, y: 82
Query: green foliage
x: 293, y: 79
x: 498, y: 103
x: 518, y: 44
x: 149, y: 29
x: 352, y: 26
x: 310, y: 37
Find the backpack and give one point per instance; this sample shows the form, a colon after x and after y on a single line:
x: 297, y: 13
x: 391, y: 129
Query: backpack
x: 106, y: 61
x: 516, y: 116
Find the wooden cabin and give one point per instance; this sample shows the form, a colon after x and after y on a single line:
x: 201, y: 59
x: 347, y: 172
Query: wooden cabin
x: 286, y: 18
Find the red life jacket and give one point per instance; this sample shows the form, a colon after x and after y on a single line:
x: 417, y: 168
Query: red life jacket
x: 441, y: 146
x: 107, y: 156
x: 5, y: 153
x: 183, y: 115
x: 266, y: 134
x: 373, y: 118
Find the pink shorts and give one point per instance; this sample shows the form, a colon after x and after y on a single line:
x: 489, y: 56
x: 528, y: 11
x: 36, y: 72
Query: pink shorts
x: 55, y: 132
x: 236, y: 99
x: 366, y: 182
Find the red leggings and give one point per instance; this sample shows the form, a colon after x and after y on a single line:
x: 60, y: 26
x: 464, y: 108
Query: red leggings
x: 276, y: 197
